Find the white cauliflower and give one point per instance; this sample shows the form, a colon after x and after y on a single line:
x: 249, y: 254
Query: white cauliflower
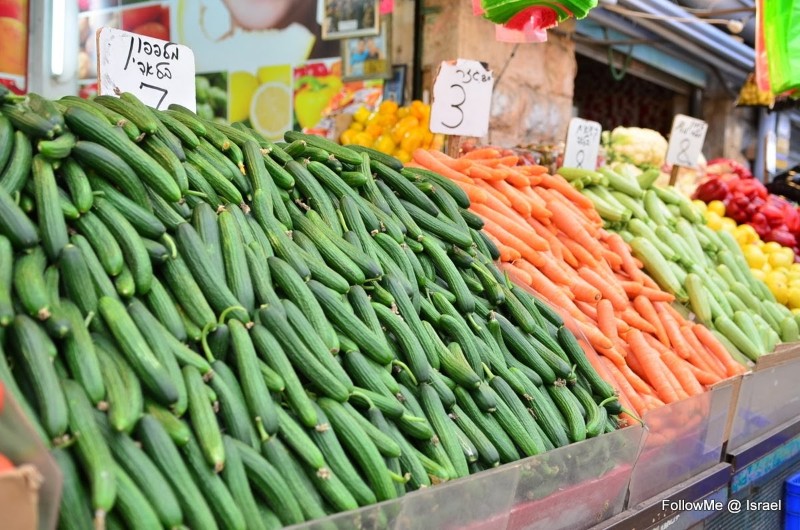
x: 641, y: 147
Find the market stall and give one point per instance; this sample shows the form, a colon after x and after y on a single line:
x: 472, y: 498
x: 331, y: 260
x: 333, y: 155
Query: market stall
x: 242, y: 296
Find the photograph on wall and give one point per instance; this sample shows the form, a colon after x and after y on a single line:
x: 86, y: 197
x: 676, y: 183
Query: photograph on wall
x: 88, y: 24
x: 282, y: 32
x: 262, y: 99
x: 14, y: 44
x: 368, y: 57
x: 350, y: 18
x: 211, y: 90
x: 395, y: 87
x: 151, y: 20
x: 316, y: 85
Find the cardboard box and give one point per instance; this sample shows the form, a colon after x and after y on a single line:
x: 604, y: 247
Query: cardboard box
x: 19, y: 498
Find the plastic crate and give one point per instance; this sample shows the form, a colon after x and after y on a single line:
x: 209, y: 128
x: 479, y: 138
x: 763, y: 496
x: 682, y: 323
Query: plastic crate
x: 791, y: 503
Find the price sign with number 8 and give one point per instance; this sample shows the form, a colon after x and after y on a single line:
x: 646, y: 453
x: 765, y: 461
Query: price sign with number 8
x: 462, y: 98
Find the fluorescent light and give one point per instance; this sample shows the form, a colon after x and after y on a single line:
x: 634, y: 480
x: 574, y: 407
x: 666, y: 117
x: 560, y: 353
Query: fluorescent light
x: 59, y: 13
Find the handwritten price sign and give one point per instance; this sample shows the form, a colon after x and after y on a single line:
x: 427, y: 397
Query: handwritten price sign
x: 583, y: 142
x: 686, y: 141
x: 158, y: 72
x: 462, y: 98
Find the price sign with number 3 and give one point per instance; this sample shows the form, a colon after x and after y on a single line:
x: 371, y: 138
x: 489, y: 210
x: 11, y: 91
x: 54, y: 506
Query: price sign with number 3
x: 583, y: 143
x: 462, y: 98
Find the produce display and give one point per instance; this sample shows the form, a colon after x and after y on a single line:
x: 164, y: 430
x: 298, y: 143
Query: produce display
x: 768, y: 261
x: 747, y: 200
x: 552, y: 237
x: 703, y: 269
x: 215, y: 330
x: 393, y: 130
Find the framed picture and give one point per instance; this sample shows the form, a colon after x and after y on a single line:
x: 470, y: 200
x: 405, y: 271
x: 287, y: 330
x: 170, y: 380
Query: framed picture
x: 344, y: 19
x: 368, y: 57
x: 395, y: 88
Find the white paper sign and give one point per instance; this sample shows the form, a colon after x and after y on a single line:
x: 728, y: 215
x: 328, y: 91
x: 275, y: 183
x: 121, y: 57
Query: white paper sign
x: 462, y: 98
x: 583, y: 143
x: 686, y: 141
x: 157, y: 71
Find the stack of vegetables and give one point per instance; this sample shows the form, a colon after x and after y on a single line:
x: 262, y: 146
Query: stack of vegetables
x: 393, y: 130
x: 704, y: 269
x: 768, y: 261
x: 747, y: 200
x: 552, y: 237
x: 218, y: 331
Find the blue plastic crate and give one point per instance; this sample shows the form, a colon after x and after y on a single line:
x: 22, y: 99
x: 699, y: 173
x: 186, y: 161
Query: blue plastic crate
x: 792, y: 503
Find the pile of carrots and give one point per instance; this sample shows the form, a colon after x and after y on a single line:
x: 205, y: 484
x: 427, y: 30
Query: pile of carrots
x: 551, y: 238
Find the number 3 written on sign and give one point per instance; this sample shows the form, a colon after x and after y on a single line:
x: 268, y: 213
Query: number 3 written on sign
x: 457, y: 106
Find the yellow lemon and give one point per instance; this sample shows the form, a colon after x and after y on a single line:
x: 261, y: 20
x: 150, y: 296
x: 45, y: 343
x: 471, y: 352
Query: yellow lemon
x: 700, y: 205
x: 281, y: 73
x: 758, y: 273
x: 754, y: 256
x: 714, y: 221
x: 242, y: 86
x: 783, y: 257
x: 781, y: 293
x: 747, y: 232
x: 796, y: 310
x: 771, y: 247
x: 402, y: 156
x: 728, y: 224
x: 718, y: 207
x: 271, y: 110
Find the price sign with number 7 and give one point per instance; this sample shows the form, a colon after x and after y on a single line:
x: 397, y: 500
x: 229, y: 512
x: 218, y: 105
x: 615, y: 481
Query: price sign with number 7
x: 462, y: 98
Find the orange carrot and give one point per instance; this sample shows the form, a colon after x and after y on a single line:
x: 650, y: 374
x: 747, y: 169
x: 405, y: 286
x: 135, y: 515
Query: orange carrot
x: 491, y: 190
x: 553, y: 270
x: 507, y: 238
x: 624, y: 386
x: 646, y: 310
x: 621, y: 248
x: 563, y: 187
x: 633, y: 319
x: 580, y: 253
x: 677, y: 366
x: 639, y: 384
x: 538, y: 205
x: 612, y: 353
x: 583, y: 291
x: 575, y: 230
x: 613, y: 259
x: 523, y: 275
x: 556, y: 246
x: 610, y: 292
x: 486, y: 173
x: 606, y: 319
x: 673, y: 330
x: 519, y: 201
x: 483, y: 152
x: 655, y: 370
x: 518, y: 179
x: 426, y: 159
x: 596, y: 338
x: 703, y: 377
x: 632, y: 288
x: 511, y: 225
x: 590, y: 310
x: 700, y: 356
x: 718, y: 350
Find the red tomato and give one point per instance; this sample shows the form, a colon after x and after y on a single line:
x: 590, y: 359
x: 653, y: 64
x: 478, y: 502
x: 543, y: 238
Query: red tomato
x: 5, y: 464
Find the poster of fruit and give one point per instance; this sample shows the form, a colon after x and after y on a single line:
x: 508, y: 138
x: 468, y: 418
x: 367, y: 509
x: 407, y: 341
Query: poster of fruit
x: 151, y: 19
x: 14, y: 44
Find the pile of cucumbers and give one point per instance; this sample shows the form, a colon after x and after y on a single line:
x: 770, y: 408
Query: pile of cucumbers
x: 212, y: 330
